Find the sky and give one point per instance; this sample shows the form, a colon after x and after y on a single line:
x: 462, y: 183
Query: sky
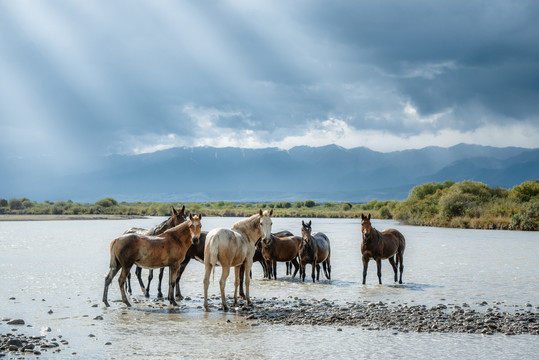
x: 79, y: 80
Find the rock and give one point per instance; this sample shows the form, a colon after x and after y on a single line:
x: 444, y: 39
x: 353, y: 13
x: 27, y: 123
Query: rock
x: 50, y: 311
x: 16, y: 322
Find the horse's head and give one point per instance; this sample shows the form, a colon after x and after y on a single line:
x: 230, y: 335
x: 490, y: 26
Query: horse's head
x: 194, y: 227
x: 306, y: 232
x: 366, y: 227
x: 265, y: 225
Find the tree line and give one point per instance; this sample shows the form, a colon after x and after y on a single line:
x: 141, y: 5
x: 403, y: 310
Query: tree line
x: 466, y: 204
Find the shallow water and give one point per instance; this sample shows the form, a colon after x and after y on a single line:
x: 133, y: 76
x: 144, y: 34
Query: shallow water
x: 61, y: 265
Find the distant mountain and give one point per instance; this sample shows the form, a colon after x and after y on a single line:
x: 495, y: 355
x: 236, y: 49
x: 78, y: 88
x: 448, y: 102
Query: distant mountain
x: 328, y: 173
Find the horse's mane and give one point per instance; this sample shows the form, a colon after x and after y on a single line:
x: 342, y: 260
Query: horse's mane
x: 178, y: 227
x: 247, y: 223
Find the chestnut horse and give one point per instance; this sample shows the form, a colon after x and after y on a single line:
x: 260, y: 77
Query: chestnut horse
x: 175, y: 219
x: 282, y: 246
x: 151, y: 252
x: 381, y: 245
x: 314, y: 249
x: 234, y: 247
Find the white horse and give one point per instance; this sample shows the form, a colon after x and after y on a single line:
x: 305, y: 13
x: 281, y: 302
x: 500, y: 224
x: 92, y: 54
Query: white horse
x: 234, y: 247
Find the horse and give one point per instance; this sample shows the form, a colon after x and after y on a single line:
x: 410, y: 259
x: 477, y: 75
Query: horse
x: 175, y: 219
x: 282, y: 246
x: 196, y: 251
x: 381, y: 245
x: 314, y: 249
x: 166, y: 249
x: 234, y: 247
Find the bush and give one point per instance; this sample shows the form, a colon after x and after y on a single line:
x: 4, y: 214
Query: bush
x: 526, y: 191
x: 106, y: 202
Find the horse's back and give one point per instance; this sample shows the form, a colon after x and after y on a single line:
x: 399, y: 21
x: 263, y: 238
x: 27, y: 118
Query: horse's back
x: 225, y: 247
x: 397, y: 237
x: 322, y: 244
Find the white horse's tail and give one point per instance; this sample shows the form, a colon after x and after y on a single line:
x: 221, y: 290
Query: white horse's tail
x: 213, y: 253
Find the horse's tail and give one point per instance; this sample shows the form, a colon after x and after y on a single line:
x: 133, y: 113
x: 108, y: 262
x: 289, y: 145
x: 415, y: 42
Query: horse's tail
x: 113, y: 260
x: 213, y: 253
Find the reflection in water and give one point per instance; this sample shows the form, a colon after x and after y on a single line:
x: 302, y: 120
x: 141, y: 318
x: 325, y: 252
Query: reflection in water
x: 52, y: 275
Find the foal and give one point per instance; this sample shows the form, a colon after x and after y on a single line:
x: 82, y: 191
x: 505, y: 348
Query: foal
x: 381, y: 245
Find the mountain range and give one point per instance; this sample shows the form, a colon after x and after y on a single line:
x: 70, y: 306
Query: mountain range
x: 328, y: 173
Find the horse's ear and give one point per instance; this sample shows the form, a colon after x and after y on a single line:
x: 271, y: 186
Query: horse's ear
x: 199, y: 216
x: 369, y: 216
x: 174, y: 211
x: 362, y: 216
x: 303, y: 223
x: 271, y: 212
x: 310, y: 222
x: 190, y: 216
x: 182, y: 210
x: 260, y: 212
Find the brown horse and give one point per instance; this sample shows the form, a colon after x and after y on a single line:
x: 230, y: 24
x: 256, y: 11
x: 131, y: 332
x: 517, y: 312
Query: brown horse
x: 175, y: 219
x: 234, y: 247
x: 314, y: 249
x: 151, y: 252
x: 381, y: 245
x: 282, y: 246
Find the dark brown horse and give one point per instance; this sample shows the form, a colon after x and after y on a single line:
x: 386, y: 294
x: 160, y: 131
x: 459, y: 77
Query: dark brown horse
x: 381, y: 245
x: 175, y: 219
x: 282, y: 246
x: 151, y: 252
x: 314, y: 249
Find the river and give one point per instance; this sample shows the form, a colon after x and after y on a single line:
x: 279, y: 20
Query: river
x: 52, y: 275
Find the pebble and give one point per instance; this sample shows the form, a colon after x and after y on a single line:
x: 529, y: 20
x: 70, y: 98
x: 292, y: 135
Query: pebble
x: 372, y: 316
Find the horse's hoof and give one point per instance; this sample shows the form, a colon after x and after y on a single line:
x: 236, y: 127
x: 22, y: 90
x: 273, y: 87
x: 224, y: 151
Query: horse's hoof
x: 225, y: 308
x: 106, y: 303
x: 159, y: 295
x: 174, y: 303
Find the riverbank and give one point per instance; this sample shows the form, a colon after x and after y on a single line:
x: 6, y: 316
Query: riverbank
x: 68, y: 217
x: 442, y: 318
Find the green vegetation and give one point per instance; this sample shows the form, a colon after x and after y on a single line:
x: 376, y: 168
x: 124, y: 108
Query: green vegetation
x: 466, y: 205
x: 471, y: 205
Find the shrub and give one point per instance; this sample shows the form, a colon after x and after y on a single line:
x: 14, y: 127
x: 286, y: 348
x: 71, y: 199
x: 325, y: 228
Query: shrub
x: 526, y: 191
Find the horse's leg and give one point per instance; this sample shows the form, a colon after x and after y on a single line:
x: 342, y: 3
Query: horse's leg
x: 242, y: 273
x: 296, y: 267
x: 159, y: 293
x: 302, y: 270
x: 208, y: 268
x: 108, y: 279
x: 138, y: 272
x: 121, y: 282
x: 248, y: 265
x: 237, y: 271
x: 379, y: 270
x: 128, y: 283
x: 288, y: 268
x: 365, y: 266
x: 318, y: 272
x: 401, y: 265
x: 183, y: 265
x: 313, y: 267
x: 274, y: 265
x: 150, y: 277
x: 328, y: 263
x: 391, y: 260
x: 172, y: 274
x: 222, y: 283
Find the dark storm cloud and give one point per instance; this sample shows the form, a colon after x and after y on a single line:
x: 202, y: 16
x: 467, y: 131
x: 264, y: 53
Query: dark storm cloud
x: 100, y: 77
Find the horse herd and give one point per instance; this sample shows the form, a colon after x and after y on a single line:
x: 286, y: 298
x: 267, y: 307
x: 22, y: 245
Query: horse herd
x: 179, y: 239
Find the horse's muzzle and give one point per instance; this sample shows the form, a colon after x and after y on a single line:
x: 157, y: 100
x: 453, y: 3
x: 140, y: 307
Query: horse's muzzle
x: 194, y: 240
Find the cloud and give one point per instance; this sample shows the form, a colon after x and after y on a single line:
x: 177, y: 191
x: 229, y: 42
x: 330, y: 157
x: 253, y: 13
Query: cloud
x: 84, y: 80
